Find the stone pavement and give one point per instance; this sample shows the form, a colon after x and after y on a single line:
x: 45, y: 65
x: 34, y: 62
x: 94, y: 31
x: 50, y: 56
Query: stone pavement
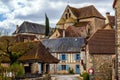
x: 66, y: 77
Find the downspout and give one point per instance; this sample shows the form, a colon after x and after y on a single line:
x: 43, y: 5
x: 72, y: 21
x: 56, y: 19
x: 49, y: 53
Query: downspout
x: 116, y: 47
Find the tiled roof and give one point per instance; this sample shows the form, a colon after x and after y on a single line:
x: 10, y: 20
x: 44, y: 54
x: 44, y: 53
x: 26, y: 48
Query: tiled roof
x: 102, y: 42
x: 114, y: 3
x: 71, y: 31
x: 28, y: 27
x: 111, y: 20
x: 39, y: 54
x: 62, y: 45
x: 86, y: 12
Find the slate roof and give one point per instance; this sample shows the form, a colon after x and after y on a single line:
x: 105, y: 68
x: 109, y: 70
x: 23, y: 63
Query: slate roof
x: 86, y: 12
x: 39, y: 54
x: 29, y: 27
x: 102, y: 42
x: 61, y: 45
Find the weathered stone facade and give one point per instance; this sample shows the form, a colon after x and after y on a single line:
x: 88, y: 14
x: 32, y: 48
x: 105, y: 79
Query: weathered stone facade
x: 116, y: 6
x: 102, y: 66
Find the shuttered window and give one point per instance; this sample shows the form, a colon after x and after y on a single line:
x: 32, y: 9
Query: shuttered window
x: 63, y: 67
x: 77, y: 56
x: 63, y: 57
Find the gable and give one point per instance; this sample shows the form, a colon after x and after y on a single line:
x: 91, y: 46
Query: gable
x: 68, y: 12
x: 56, y: 34
x: 84, y: 12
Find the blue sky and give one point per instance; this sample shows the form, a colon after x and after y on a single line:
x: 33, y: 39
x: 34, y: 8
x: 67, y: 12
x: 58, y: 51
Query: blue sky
x: 14, y: 12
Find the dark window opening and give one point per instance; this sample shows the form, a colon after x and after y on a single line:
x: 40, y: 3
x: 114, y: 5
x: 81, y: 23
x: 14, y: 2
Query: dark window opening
x: 63, y: 67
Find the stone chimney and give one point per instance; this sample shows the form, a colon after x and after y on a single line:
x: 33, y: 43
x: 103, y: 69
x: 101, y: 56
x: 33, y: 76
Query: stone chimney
x: 63, y: 33
x: 107, y: 14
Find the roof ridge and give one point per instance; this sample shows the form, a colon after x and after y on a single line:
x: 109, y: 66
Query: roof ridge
x: 87, y: 6
x: 32, y: 23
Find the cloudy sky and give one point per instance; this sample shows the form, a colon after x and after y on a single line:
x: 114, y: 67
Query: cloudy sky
x: 14, y: 12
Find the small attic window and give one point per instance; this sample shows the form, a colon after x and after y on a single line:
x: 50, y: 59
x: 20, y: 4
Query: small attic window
x: 69, y: 15
x: 66, y: 16
x: 67, y: 10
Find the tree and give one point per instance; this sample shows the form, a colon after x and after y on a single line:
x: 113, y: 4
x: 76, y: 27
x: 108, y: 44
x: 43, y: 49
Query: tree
x: 10, y: 50
x: 46, y: 25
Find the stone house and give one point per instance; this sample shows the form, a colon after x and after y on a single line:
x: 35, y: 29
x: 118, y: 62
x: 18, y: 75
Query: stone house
x: 116, y: 6
x: 29, y: 31
x: 89, y: 14
x: 110, y: 19
x: 81, y: 29
x: 38, y: 59
x: 100, y: 50
x: 68, y: 51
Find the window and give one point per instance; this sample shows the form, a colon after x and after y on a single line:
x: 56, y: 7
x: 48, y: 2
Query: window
x: 67, y: 10
x: 63, y: 67
x: 77, y: 56
x: 69, y: 15
x: 63, y: 57
x: 66, y: 16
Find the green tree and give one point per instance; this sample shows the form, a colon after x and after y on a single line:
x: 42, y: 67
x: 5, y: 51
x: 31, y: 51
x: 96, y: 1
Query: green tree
x: 10, y: 50
x: 46, y: 25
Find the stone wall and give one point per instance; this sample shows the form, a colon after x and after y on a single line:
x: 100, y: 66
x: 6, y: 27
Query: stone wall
x: 96, y: 23
x: 102, y: 65
x: 117, y: 7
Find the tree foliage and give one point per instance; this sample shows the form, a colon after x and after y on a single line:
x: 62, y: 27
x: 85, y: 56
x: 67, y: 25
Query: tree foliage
x: 46, y: 25
x: 12, y: 50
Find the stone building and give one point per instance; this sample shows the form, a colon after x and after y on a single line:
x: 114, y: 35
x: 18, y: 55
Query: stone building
x: 81, y: 29
x: 89, y: 14
x: 29, y: 31
x: 68, y: 51
x: 116, y: 6
x: 37, y: 60
x: 100, y: 50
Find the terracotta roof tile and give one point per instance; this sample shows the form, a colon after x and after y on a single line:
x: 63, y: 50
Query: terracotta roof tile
x: 102, y: 42
x: 39, y: 54
x: 111, y: 20
x: 114, y: 3
x: 71, y: 31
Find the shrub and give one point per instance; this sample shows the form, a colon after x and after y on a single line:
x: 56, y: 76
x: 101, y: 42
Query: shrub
x: 85, y: 76
x: 18, y: 69
x: 71, y: 71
